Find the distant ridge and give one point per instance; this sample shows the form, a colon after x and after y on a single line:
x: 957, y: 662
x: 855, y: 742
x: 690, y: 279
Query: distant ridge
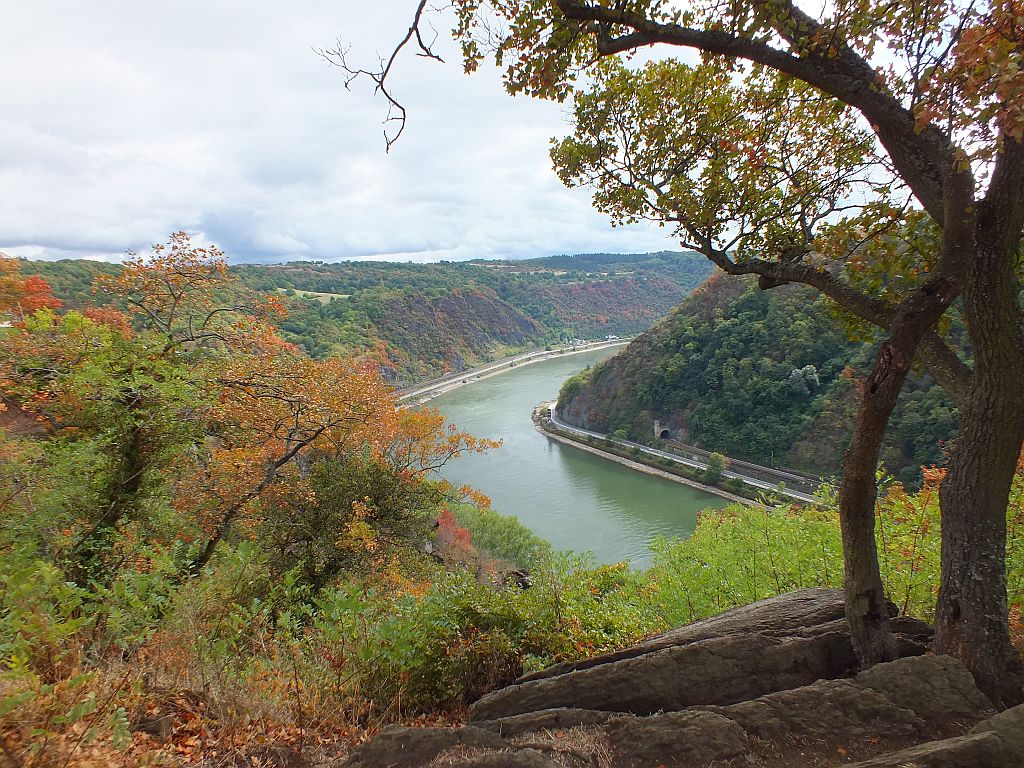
x: 421, y: 320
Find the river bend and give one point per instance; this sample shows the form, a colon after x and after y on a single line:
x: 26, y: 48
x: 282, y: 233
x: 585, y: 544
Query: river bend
x: 571, y: 498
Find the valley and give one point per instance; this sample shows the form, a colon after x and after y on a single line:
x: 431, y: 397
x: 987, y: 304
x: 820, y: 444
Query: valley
x: 534, y: 384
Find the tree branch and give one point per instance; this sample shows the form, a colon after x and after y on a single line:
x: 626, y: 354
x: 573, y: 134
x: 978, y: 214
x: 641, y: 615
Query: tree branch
x: 397, y: 113
x: 922, y: 158
x: 952, y: 373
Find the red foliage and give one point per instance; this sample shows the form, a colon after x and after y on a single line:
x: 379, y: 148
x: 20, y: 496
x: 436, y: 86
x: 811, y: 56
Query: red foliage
x: 454, y: 543
x: 111, y: 317
x: 21, y: 296
x: 38, y: 295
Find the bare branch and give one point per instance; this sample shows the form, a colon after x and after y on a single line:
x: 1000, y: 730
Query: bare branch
x: 397, y: 114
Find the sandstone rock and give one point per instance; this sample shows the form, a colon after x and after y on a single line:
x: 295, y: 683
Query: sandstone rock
x: 982, y: 750
x: 1008, y: 725
x: 829, y: 713
x: 913, y: 636
x: 785, y: 615
x: 399, y: 747
x: 775, y: 644
x: 939, y: 689
x: 803, y: 613
x: 720, y: 670
x: 677, y: 738
x: 545, y: 719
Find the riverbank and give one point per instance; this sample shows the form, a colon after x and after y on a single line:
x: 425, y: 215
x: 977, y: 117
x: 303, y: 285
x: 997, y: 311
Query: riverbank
x: 428, y: 391
x: 658, y: 463
x: 647, y: 469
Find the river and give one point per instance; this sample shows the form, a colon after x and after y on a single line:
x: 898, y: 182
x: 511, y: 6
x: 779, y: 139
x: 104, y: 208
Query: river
x: 573, y: 499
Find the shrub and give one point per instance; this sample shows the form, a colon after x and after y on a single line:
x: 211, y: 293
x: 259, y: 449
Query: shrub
x: 502, y: 536
x: 716, y: 465
x: 742, y: 554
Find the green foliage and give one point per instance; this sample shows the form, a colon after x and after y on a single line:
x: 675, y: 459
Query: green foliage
x: 317, y: 529
x: 43, y: 619
x: 122, y: 411
x: 716, y: 465
x: 429, y: 649
x: 781, y: 154
x: 742, y: 554
x: 503, y: 537
x: 573, y: 385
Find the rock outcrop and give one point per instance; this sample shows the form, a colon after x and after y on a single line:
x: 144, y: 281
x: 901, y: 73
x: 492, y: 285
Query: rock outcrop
x: 775, y: 644
x: 398, y: 746
x: 769, y: 684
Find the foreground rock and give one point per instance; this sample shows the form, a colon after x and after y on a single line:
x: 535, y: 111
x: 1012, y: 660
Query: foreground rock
x: 983, y: 750
x: 1008, y: 725
x: 776, y: 644
x: 769, y: 685
x: 396, y: 746
x: 687, y: 738
x: 545, y: 719
x: 939, y: 689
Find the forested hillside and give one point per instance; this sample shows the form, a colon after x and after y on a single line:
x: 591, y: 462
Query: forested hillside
x: 424, y: 319
x: 766, y: 376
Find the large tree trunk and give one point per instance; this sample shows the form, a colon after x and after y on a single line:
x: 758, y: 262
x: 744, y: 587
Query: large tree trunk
x: 971, y: 621
x: 867, y: 612
x: 866, y: 609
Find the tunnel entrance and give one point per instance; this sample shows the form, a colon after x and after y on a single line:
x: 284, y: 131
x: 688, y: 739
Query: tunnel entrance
x: 664, y: 434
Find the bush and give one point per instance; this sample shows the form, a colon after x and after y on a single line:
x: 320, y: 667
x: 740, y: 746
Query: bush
x: 716, y: 465
x: 742, y: 554
x: 412, y: 651
x: 503, y: 537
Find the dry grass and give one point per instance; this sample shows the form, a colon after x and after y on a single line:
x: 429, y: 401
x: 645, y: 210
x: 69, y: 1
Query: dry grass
x: 572, y: 747
x: 583, y: 747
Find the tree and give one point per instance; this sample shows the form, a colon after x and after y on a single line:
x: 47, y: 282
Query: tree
x: 20, y: 296
x: 110, y: 399
x: 872, y: 151
x: 189, y: 397
x: 716, y: 465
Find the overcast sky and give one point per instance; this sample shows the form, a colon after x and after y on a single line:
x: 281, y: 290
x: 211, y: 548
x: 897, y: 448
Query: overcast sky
x: 121, y: 122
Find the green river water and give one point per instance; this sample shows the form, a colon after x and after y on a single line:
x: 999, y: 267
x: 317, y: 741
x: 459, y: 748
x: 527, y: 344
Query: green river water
x: 573, y: 499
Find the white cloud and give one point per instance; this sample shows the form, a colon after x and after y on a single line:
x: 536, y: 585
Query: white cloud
x: 124, y: 121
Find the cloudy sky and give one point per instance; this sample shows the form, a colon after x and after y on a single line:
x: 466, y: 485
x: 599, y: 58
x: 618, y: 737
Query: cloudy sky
x: 121, y: 122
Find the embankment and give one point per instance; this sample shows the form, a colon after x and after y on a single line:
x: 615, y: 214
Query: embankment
x: 610, y: 453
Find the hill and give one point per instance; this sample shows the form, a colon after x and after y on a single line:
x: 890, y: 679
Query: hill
x: 426, y: 319
x: 764, y: 376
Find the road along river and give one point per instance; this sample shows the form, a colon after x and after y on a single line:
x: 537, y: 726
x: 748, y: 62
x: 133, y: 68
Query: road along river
x: 573, y: 499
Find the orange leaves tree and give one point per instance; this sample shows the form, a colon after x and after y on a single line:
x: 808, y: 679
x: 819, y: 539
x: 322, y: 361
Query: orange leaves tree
x: 275, y: 409
x: 369, y: 505
x: 184, y: 294
x: 20, y: 295
x: 184, y: 393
